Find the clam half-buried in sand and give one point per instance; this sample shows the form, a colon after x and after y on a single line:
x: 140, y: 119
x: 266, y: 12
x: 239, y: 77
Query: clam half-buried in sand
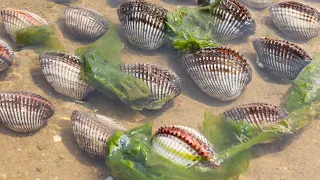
x: 92, y: 132
x: 6, y: 55
x: 280, y: 58
x: 220, y: 72
x: 24, y: 111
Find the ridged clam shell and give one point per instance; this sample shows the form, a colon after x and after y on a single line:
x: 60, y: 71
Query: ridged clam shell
x: 24, y: 111
x: 85, y: 23
x: 258, y: 115
x: 281, y: 58
x: 92, y: 132
x: 184, y: 146
x: 258, y: 3
x: 15, y: 19
x: 62, y: 71
x: 233, y: 20
x: 204, y: 2
x: 220, y: 72
x: 6, y: 55
x: 143, y: 23
x: 163, y: 83
x: 295, y: 19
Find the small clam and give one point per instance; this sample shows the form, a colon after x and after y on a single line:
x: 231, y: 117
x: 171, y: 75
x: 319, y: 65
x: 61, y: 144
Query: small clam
x: 143, y: 23
x: 85, y: 23
x: 62, y: 71
x: 220, y: 72
x: 92, y: 132
x: 14, y: 19
x: 163, y: 83
x: 295, y: 19
x: 23, y: 111
x: 204, y: 2
x: 258, y: 3
x: 184, y: 146
x: 281, y: 58
x: 6, y: 55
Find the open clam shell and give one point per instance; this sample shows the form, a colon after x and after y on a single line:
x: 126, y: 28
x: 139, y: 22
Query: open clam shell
x: 15, y: 19
x: 295, y: 19
x: 85, y: 23
x: 258, y: 3
x: 163, y: 83
x: 6, y: 55
x: 233, y: 20
x: 62, y: 71
x: 184, y: 146
x: 143, y: 23
x: 220, y: 72
x: 281, y: 58
x: 92, y: 132
x: 24, y: 111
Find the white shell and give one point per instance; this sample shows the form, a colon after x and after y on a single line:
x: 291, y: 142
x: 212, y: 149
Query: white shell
x: 6, y: 55
x: 258, y: 3
x: 62, y: 71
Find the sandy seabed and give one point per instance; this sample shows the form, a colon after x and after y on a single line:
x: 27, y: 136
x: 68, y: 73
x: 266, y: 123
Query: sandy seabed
x: 38, y: 156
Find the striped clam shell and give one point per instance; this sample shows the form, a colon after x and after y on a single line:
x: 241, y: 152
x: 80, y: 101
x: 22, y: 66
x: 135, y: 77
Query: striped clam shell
x: 92, y: 132
x: 184, y: 146
x: 85, y: 23
x: 233, y: 20
x: 143, y: 23
x: 6, y: 55
x: 281, y: 58
x: 163, y: 83
x: 14, y: 19
x: 295, y: 19
x: 258, y: 3
x: 204, y: 2
x: 258, y: 115
x: 62, y: 71
x: 24, y: 111
x: 220, y: 72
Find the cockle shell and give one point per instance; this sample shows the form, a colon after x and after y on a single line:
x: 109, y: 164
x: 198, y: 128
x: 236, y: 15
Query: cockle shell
x: 6, y: 55
x: 62, y: 71
x: 295, y: 19
x: 184, y: 146
x: 220, y: 72
x: 14, y: 20
x: 85, y: 23
x: 204, y: 2
x: 24, y: 111
x: 143, y: 23
x: 92, y: 132
x: 163, y: 83
x: 258, y: 3
x: 233, y: 20
x: 281, y: 58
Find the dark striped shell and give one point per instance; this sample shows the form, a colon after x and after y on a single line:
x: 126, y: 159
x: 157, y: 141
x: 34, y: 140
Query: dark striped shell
x: 143, y: 23
x: 92, y: 132
x: 62, y: 71
x: 163, y: 83
x: 281, y: 58
x: 204, y: 2
x: 85, y: 23
x: 14, y: 20
x: 220, y: 72
x: 259, y: 115
x: 184, y: 146
x: 233, y: 20
x: 258, y: 3
x: 24, y: 111
x: 6, y: 55
x: 295, y: 19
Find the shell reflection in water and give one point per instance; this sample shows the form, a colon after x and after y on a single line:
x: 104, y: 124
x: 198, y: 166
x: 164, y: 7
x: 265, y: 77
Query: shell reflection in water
x: 220, y: 72
x: 62, y: 71
x: 163, y: 83
x: 295, y: 19
x: 6, y: 55
x: 281, y: 58
x: 85, y: 23
x: 92, y: 132
x: 184, y: 146
x: 14, y: 20
x: 143, y: 23
x: 24, y: 111
x: 258, y: 3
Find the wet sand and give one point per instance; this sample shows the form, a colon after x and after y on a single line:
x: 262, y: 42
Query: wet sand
x: 37, y: 155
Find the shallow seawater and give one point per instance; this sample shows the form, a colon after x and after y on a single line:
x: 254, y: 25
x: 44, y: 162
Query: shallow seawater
x: 37, y: 155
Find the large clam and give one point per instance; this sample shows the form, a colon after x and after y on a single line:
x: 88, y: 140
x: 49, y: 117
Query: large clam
x: 6, y: 55
x: 258, y: 3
